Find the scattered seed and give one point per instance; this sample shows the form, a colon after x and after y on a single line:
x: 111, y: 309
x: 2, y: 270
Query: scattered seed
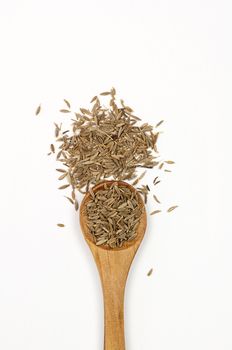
x: 73, y: 195
x: 150, y: 272
x: 38, y: 109
x: 156, y: 199
x: 155, y: 212
x: 105, y: 93
x: 61, y: 225
x: 172, y: 208
x: 63, y: 187
x: 61, y: 177
x: 93, y: 99
x: 156, y: 181
x: 52, y: 148
x: 169, y: 162
x: 85, y: 111
x: 76, y: 205
x: 139, y: 178
x: 64, y: 111
x: 57, y: 132
x: 69, y: 199
x: 158, y: 124
x: 67, y: 103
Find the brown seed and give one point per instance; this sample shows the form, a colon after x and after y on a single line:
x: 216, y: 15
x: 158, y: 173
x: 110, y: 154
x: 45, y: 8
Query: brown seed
x: 93, y: 99
x: 61, y: 170
x: 57, y: 132
x: 167, y: 171
x: 158, y: 124
x: 155, y: 212
x: 52, y: 148
x: 85, y: 111
x: 156, y: 199
x: 61, y: 177
x: 69, y: 199
x: 172, y: 208
x: 73, y: 195
x: 169, y: 162
x: 64, y: 111
x: 156, y: 181
x: 113, y: 91
x: 105, y: 93
x: 91, y: 192
x: 135, y: 182
x: 150, y: 272
x: 67, y: 103
x: 61, y: 225
x: 58, y: 155
x: 38, y: 109
x: 63, y: 187
x: 76, y: 205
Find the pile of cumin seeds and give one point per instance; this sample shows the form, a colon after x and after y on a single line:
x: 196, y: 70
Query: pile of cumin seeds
x: 105, y: 142
x: 113, y: 215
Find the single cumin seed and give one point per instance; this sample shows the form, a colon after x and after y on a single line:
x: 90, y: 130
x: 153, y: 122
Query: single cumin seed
x: 155, y: 212
x: 172, y: 208
x: 158, y: 124
x: 67, y: 103
x: 38, y: 110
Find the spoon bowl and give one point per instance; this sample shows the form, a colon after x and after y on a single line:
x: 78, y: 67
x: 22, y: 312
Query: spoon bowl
x: 113, y: 265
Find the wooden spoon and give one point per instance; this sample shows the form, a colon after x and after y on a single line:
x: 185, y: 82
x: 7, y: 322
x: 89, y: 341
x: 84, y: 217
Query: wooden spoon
x: 113, y: 266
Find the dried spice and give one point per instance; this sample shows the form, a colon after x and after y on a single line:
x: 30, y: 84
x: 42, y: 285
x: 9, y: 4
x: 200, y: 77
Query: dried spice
x: 52, y: 148
x: 106, y: 142
x: 158, y: 124
x: 38, y: 109
x: 65, y: 111
x: 67, y: 103
x: 155, y: 212
x: 113, y: 215
x: 156, y: 199
x: 172, y: 208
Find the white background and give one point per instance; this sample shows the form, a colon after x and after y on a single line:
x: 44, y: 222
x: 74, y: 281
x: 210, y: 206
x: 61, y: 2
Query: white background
x: 169, y: 60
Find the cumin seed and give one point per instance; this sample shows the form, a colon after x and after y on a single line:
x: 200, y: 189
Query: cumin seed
x: 155, y: 212
x: 38, y: 110
x: 67, y: 103
x: 172, y: 208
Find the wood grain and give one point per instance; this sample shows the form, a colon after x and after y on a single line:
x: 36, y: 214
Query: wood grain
x: 113, y: 266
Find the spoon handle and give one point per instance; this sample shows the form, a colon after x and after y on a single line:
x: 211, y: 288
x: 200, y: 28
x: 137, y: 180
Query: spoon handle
x: 113, y: 291
x: 113, y: 267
